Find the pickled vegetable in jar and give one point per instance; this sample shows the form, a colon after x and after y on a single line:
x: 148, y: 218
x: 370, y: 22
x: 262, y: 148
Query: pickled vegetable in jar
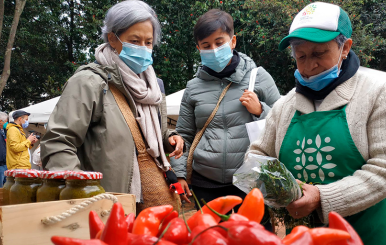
x: 82, y: 185
x: 53, y: 184
x: 7, y: 186
x: 26, y: 184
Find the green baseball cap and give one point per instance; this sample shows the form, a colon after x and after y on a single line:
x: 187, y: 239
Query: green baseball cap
x: 318, y: 22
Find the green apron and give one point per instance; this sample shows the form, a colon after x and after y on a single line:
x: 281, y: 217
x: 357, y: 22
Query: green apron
x: 318, y: 148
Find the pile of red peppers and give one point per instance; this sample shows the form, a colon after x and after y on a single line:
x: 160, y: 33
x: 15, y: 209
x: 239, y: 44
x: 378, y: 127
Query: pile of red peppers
x: 161, y: 225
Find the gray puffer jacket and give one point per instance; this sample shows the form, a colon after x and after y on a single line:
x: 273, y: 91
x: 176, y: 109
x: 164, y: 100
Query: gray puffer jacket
x: 222, y: 147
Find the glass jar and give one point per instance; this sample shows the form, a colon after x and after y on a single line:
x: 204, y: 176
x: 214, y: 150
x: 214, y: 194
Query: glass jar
x: 7, y: 186
x: 26, y: 184
x: 53, y: 184
x: 82, y: 185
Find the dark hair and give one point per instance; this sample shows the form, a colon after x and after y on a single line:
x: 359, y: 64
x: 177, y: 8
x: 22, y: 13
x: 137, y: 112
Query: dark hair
x: 210, y: 22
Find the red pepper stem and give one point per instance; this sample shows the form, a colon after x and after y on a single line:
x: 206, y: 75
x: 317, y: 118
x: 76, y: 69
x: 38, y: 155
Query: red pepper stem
x: 162, y: 234
x: 222, y: 216
x: 195, y: 198
x: 194, y: 238
x: 183, y: 216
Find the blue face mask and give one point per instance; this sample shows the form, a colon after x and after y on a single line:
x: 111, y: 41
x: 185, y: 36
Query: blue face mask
x: 320, y: 81
x: 138, y: 58
x: 217, y: 59
x: 5, y: 125
x: 25, y: 124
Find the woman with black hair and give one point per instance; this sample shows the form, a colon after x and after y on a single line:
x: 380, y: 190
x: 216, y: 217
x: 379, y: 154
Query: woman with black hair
x: 224, y: 142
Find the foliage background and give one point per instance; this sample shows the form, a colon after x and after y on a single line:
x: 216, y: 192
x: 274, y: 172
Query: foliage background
x: 56, y: 36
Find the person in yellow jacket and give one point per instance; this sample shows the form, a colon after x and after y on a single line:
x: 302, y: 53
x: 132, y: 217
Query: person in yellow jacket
x: 18, y: 143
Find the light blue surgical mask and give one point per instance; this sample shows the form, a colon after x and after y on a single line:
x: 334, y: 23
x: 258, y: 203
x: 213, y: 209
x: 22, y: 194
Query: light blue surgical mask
x: 137, y: 58
x: 217, y: 59
x: 321, y: 80
x: 25, y: 124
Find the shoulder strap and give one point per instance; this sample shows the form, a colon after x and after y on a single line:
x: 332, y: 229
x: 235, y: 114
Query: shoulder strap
x: 198, y: 136
x: 252, y: 79
x: 129, y: 118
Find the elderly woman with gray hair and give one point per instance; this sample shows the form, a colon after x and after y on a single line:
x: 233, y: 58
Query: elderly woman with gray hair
x: 88, y: 131
x: 330, y: 129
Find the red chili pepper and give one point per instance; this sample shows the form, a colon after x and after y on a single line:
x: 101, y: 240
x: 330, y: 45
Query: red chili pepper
x: 324, y: 236
x: 177, y: 231
x: 206, y: 220
x: 250, y: 235
x: 228, y: 224
x: 146, y: 240
x: 222, y: 205
x: 115, y: 231
x: 295, y: 234
x: 130, y: 218
x: 95, y: 224
x: 167, y: 220
x: 338, y: 222
x: 149, y: 220
x: 253, y: 206
x: 303, y: 239
x: 237, y: 217
x: 223, y: 217
x: 202, y: 236
x: 73, y: 241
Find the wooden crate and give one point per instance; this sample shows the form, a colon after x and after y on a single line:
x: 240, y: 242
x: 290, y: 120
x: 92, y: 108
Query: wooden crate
x: 21, y: 224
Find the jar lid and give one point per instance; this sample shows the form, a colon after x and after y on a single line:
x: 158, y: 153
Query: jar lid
x: 9, y: 173
x: 53, y: 174
x: 85, y: 175
x: 26, y: 173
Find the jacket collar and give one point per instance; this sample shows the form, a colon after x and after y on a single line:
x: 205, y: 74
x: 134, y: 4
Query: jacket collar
x: 111, y: 75
x: 245, y: 65
x: 339, y: 97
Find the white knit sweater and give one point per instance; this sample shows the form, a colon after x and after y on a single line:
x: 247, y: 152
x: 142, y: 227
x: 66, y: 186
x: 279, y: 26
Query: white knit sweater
x: 366, y: 117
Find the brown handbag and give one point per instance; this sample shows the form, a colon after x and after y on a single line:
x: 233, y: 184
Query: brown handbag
x: 198, y: 136
x: 155, y: 190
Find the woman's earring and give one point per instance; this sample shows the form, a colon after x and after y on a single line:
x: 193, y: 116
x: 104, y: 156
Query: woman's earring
x: 115, y: 51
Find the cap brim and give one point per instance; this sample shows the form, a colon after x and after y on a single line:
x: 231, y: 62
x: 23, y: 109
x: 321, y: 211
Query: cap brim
x: 310, y: 34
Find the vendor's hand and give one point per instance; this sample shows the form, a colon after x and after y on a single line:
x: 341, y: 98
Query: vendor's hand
x: 251, y: 102
x: 178, y: 142
x: 185, y: 187
x: 32, y: 138
x: 307, y: 203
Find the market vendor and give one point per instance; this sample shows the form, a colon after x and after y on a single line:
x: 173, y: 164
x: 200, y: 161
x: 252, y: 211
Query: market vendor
x: 330, y: 129
x: 87, y: 129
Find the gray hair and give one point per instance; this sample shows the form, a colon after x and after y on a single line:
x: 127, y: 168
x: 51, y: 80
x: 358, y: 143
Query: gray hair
x: 294, y: 42
x: 127, y: 13
x: 3, y: 116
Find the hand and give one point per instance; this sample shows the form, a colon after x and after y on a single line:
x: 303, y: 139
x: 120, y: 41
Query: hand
x: 178, y: 142
x: 307, y: 203
x: 32, y: 138
x: 184, y: 186
x: 251, y: 102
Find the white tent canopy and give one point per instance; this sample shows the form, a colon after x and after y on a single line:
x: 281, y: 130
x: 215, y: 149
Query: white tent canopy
x: 173, y: 102
x: 40, y: 113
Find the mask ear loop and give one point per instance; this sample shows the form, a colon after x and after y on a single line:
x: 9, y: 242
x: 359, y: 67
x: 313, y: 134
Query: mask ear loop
x: 115, y: 51
x: 341, y: 52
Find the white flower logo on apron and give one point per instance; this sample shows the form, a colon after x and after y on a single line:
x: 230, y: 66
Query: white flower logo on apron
x: 307, y: 157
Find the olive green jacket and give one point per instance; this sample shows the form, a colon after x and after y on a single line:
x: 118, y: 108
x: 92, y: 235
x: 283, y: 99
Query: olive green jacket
x: 87, y: 131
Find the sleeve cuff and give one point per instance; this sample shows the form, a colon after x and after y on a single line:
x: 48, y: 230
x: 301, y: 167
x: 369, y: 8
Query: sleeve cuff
x: 331, y: 200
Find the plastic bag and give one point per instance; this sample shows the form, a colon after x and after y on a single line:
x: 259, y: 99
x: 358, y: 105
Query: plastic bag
x: 277, y: 184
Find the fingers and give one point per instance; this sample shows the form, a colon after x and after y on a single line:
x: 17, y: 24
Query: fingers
x: 172, y: 141
x: 184, y: 198
x: 179, y: 147
x: 179, y: 143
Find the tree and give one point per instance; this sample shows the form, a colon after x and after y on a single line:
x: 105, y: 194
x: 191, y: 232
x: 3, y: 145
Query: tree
x: 19, y: 6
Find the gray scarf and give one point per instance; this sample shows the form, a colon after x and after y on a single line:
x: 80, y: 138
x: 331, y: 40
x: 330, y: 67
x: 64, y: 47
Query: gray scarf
x: 147, y: 96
